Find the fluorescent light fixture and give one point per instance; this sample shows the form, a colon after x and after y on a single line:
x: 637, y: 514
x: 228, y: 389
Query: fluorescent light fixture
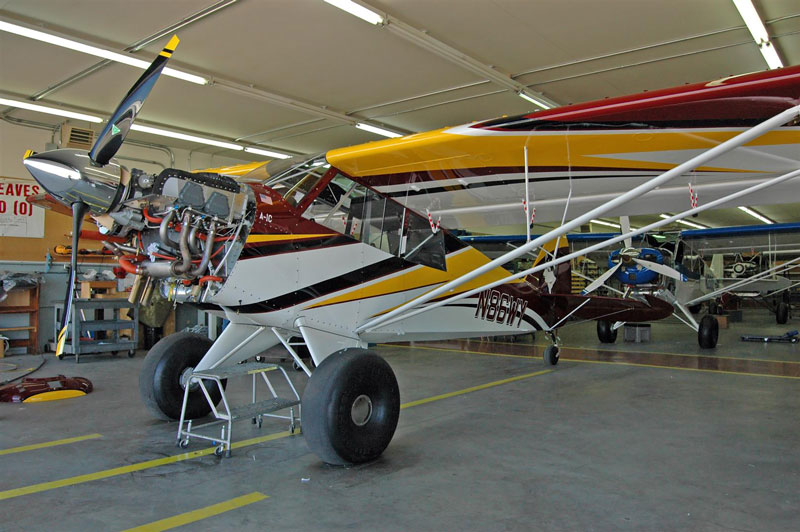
x: 49, y: 110
x: 534, y: 100
x: 183, y: 136
x: 378, y: 130
x: 685, y: 222
x: 267, y: 153
x: 95, y: 51
x: 756, y: 215
x: 357, y: 10
x: 771, y: 56
x: 608, y: 224
x: 759, y: 32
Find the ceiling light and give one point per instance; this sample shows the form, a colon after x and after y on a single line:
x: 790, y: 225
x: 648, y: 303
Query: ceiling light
x: 49, y: 110
x: 534, y: 100
x: 95, y: 51
x: 267, y: 153
x: 758, y: 31
x: 378, y: 130
x: 357, y: 10
x: 183, y: 136
x: 685, y: 222
x: 756, y: 215
x: 608, y: 224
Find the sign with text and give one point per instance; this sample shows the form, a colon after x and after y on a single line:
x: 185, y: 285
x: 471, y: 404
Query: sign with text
x: 17, y: 216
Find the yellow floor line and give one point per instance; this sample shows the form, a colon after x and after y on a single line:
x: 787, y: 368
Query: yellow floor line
x: 505, y: 355
x: 80, y: 479
x: 149, y: 464
x: 474, y: 389
x: 679, y: 368
x: 600, y: 350
x: 201, y: 513
x: 48, y: 444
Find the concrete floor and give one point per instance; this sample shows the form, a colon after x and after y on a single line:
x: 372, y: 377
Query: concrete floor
x: 600, y: 443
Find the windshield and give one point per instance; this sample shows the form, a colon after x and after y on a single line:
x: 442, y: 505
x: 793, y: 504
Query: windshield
x: 298, y: 179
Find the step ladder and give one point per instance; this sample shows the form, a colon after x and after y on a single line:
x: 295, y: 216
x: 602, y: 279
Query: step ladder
x: 225, y: 415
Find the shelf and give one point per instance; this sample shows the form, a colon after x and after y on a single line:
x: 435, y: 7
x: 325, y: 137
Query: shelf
x: 24, y: 301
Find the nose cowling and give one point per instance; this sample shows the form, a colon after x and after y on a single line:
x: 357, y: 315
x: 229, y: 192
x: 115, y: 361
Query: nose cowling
x: 70, y: 176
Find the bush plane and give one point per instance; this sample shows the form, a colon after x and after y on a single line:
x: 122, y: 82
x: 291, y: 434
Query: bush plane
x: 342, y: 249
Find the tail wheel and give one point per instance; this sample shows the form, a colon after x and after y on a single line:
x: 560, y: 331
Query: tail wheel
x: 165, y: 372
x: 350, y: 407
x: 782, y: 313
x: 551, y: 355
x: 606, y: 332
x: 708, y: 333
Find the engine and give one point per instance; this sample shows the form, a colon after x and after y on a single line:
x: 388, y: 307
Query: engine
x: 178, y: 232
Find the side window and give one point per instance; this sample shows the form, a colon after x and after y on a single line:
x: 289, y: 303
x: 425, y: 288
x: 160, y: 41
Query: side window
x: 421, y: 245
x: 357, y: 211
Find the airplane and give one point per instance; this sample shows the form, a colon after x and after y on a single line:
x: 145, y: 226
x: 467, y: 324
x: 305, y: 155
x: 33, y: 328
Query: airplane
x: 761, y: 276
x: 337, y: 248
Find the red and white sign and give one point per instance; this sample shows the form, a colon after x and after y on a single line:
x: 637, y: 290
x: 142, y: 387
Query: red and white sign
x: 17, y: 216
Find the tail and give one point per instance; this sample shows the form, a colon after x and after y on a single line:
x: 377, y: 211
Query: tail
x: 557, y: 280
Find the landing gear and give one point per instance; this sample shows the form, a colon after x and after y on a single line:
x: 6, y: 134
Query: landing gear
x: 606, y: 332
x: 551, y: 355
x: 165, y: 372
x: 350, y: 407
x: 782, y: 313
x: 708, y: 332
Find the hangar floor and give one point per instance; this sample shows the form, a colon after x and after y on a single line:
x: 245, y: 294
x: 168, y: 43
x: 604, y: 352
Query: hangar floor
x: 655, y: 436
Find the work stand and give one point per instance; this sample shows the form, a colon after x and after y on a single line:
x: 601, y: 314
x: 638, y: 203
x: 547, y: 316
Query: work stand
x: 225, y: 415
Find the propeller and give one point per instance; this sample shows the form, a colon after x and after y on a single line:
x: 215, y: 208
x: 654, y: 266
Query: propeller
x: 625, y: 227
x: 600, y: 281
x: 661, y: 269
x: 79, y: 209
x: 93, y: 182
x: 113, y: 135
x: 94, y: 178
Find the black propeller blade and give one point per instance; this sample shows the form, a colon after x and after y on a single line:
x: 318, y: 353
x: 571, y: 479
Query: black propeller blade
x: 112, y: 136
x: 79, y: 209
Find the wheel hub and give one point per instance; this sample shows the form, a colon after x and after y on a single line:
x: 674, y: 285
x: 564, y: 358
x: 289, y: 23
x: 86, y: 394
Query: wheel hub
x: 361, y: 411
x: 185, y: 378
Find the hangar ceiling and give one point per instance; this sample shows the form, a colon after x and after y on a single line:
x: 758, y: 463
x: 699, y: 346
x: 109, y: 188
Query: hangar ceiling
x: 293, y: 76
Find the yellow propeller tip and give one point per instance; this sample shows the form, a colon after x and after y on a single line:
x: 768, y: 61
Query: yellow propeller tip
x: 173, y: 43
x: 28, y: 153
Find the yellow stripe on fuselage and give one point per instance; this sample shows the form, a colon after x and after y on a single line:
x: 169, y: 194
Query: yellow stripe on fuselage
x: 443, y: 150
x: 458, y: 264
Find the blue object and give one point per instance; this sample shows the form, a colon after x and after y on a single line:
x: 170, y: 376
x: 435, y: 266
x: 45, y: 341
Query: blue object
x: 631, y: 272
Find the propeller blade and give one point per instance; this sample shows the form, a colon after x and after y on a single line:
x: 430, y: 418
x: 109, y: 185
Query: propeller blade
x: 79, y: 209
x: 597, y: 283
x: 661, y: 269
x: 625, y: 224
x: 112, y: 136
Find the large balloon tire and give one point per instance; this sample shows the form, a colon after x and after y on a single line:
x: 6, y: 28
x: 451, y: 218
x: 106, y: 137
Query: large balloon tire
x: 351, y: 405
x: 160, y: 379
x: 708, y: 332
x: 606, y: 333
x: 782, y: 313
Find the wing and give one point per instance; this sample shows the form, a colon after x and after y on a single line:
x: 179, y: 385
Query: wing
x: 473, y: 176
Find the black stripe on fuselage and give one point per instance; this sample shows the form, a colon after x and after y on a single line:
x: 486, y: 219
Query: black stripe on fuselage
x: 329, y: 286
